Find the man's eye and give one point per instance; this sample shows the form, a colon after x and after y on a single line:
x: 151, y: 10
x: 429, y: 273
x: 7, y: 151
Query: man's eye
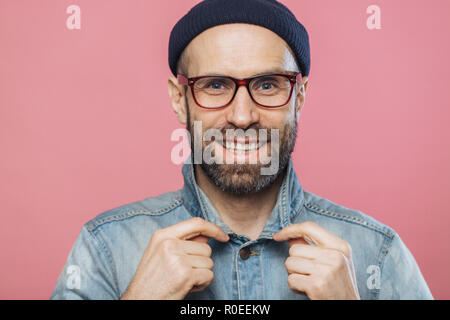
x: 267, y: 86
x: 215, y: 85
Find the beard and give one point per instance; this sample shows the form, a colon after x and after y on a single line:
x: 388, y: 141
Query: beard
x: 242, y: 179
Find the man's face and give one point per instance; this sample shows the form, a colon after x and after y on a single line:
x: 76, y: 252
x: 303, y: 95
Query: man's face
x: 241, y: 51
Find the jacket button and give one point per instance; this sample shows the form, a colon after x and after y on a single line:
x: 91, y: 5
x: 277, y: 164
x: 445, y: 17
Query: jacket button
x: 244, y: 253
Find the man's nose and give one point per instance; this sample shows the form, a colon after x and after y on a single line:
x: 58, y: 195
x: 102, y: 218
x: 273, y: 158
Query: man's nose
x: 243, y: 112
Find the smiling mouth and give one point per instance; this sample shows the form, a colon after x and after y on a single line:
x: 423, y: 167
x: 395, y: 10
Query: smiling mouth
x: 242, y: 146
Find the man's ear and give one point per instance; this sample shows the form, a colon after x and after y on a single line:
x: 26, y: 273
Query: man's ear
x: 177, y: 97
x: 301, y: 95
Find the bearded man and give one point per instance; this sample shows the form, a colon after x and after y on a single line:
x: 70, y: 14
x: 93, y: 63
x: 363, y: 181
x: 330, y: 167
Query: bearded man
x: 242, y: 227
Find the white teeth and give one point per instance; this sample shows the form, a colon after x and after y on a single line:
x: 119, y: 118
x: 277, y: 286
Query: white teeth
x: 242, y: 147
x: 230, y: 145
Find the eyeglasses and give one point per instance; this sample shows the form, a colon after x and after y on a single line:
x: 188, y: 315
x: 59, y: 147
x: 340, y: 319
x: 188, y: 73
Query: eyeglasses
x: 216, y: 92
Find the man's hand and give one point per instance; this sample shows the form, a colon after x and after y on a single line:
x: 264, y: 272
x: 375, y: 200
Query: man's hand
x: 176, y: 261
x: 323, y: 270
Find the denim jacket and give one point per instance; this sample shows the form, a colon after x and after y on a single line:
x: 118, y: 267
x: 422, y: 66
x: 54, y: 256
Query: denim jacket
x: 106, y: 253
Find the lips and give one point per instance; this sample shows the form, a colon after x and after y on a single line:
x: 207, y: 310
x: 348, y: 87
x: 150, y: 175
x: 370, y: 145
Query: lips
x: 242, y: 145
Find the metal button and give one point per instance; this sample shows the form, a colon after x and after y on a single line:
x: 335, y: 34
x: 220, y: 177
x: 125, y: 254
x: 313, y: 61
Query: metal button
x: 244, y: 253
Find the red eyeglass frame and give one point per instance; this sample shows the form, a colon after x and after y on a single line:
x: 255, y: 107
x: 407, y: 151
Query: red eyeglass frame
x: 293, y: 79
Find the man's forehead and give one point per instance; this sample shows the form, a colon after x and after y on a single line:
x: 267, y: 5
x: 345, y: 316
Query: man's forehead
x: 240, y: 49
x: 242, y: 72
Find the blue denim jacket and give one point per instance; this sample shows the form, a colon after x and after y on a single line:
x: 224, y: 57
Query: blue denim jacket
x: 106, y: 253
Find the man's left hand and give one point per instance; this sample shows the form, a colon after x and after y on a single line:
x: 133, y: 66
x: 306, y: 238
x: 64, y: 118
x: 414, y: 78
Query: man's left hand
x: 323, y: 270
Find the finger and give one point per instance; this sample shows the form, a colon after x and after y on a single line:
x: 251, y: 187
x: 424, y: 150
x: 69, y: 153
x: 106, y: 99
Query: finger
x: 297, y: 241
x: 306, y: 251
x: 306, y: 230
x: 201, y: 278
x: 191, y: 228
x: 324, y: 255
x: 299, y: 283
x: 313, y: 233
x: 302, y: 266
x: 195, y: 248
x: 200, y: 262
x: 201, y: 239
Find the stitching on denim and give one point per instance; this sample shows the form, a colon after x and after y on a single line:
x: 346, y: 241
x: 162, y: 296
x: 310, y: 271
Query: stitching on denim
x: 385, y: 248
x: 348, y: 218
x: 233, y: 272
x: 284, y: 205
x: 118, y: 217
x: 108, y: 256
x: 296, y: 213
x: 262, y: 269
x: 280, y: 216
x: 237, y: 273
x: 203, y: 211
x: 203, y: 207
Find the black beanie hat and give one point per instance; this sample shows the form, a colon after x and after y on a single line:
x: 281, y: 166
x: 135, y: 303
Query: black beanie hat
x: 266, y: 13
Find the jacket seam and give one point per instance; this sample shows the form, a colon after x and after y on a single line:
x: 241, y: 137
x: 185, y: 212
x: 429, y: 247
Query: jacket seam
x: 237, y: 273
x: 343, y: 217
x: 284, y: 206
x: 385, y: 249
x: 262, y: 270
x: 297, y: 213
x: 101, y: 247
x: 93, y: 225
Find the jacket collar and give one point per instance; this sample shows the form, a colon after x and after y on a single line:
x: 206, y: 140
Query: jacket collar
x: 289, y: 202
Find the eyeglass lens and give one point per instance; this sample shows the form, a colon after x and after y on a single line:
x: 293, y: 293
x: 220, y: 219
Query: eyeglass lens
x: 270, y: 91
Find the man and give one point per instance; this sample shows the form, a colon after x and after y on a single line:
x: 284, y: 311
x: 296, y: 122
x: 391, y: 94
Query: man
x: 236, y: 231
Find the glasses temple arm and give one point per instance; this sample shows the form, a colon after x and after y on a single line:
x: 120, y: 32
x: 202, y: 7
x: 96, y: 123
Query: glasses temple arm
x: 182, y: 80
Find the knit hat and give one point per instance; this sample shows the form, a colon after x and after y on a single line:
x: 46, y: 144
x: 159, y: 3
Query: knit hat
x: 270, y: 14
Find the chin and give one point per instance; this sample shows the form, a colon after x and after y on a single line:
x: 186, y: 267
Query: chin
x: 238, y: 179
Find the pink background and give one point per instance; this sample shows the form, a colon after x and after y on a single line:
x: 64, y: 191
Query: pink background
x: 85, y: 123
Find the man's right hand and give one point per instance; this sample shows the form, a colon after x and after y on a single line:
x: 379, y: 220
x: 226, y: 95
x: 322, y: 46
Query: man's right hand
x: 176, y: 261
